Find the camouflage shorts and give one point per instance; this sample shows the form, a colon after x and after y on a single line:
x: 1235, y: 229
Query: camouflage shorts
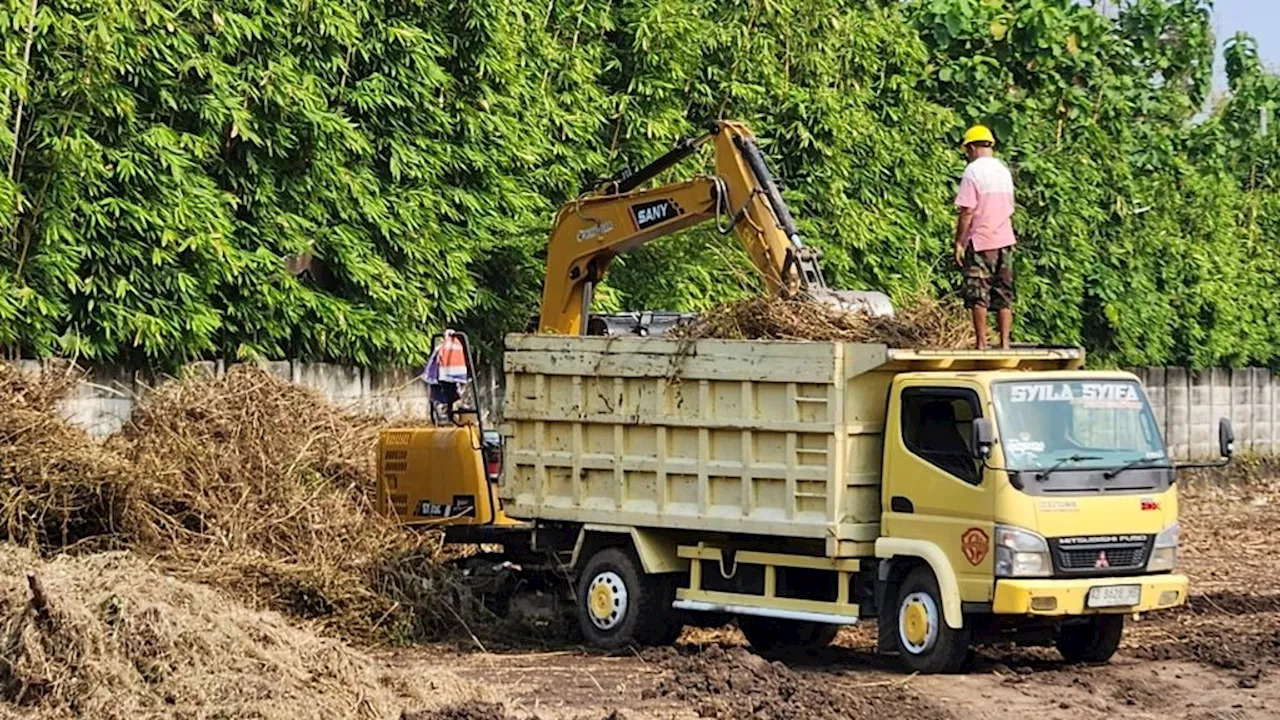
x: 988, y: 278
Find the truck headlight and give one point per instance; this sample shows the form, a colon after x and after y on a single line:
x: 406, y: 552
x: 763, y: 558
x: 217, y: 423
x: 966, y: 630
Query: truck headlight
x: 1021, y: 553
x: 1164, y: 554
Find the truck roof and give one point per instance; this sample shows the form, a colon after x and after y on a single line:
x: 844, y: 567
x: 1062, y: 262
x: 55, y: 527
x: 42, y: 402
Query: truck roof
x: 1039, y: 358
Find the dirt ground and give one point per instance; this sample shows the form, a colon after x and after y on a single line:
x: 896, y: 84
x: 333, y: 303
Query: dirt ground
x: 1216, y: 659
x: 727, y: 681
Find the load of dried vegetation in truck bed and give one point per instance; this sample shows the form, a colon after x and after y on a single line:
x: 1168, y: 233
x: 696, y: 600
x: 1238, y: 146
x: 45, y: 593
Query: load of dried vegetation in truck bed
x: 246, y: 482
x: 920, y: 323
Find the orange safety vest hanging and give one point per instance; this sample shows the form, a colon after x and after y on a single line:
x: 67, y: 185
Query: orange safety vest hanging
x: 453, y: 360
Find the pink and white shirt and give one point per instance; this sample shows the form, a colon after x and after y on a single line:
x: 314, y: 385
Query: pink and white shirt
x: 987, y: 187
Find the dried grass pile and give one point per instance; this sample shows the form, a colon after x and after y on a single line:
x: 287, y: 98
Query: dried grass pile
x: 269, y: 493
x: 61, y: 488
x: 246, y: 481
x: 922, y: 323
x: 107, y: 637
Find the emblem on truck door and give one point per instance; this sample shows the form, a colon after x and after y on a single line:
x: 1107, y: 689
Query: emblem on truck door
x: 974, y: 543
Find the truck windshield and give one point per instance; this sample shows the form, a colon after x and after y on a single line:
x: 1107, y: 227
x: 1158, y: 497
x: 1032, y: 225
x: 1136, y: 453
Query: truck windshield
x: 1103, y: 423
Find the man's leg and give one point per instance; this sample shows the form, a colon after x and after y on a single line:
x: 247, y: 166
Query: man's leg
x: 977, y: 291
x: 980, y: 325
x: 1002, y: 294
x: 1004, y: 319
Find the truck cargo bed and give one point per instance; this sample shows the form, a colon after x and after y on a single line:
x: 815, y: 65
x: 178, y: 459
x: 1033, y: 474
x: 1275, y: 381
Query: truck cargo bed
x: 758, y: 437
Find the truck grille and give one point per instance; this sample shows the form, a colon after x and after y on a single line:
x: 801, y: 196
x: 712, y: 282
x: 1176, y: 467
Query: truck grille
x: 1100, y: 556
x: 1115, y: 557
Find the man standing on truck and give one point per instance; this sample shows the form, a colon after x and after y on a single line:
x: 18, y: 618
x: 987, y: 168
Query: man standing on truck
x: 984, y: 235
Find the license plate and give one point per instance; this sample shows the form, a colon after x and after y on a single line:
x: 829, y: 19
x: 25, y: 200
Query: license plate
x: 1114, y: 596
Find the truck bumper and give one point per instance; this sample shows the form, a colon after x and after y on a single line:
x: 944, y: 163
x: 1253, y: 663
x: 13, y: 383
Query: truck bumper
x: 1068, y: 597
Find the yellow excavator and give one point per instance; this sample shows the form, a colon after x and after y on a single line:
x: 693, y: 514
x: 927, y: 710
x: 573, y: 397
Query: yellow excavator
x: 445, y: 475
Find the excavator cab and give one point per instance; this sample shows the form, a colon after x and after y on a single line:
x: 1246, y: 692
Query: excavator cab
x: 444, y: 474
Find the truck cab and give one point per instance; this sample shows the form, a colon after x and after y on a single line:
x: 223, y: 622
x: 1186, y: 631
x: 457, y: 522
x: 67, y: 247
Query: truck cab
x: 1051, y: 494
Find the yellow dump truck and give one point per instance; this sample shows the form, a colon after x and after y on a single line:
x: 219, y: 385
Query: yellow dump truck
x: 955, y: 497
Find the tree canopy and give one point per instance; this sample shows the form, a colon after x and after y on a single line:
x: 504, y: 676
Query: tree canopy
x: 163, y: 158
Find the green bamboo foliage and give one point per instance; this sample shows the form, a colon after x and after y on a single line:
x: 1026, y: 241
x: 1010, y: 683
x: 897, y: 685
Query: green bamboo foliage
x: 1139, y: 225
x: 161, y: 158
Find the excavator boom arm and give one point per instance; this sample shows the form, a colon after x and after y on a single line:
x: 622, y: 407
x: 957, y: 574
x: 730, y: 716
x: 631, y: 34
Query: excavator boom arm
x: 617, y: 217
x: 590, y: 232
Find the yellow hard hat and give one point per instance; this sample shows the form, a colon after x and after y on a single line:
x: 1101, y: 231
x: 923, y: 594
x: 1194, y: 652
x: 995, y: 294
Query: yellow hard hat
x: 979, y: 133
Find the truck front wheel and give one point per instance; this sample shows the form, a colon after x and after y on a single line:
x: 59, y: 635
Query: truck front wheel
x: 925, y: 643
x: 619, y: 605
x: 1093, y: 641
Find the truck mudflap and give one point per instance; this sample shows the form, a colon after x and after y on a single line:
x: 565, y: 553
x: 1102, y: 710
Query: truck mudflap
x: 1089, y: 596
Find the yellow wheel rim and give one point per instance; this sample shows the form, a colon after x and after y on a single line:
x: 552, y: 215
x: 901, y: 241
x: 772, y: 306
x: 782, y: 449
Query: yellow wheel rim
x: 601, y: 601
x: 917, y: 623
x: 606, y: 600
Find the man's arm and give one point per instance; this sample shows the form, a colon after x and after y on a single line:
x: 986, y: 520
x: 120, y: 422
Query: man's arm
x: 966, y: 203
x: 963, y: 224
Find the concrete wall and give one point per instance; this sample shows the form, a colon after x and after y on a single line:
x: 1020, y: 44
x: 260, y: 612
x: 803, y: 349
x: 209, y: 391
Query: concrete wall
x: 104, y: 400
x: 1187, y: 404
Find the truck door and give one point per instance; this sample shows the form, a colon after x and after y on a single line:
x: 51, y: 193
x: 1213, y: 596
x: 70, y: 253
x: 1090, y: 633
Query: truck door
x: 933, y: 487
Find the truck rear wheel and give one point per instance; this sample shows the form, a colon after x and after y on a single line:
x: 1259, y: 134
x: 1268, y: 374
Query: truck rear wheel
x: 1092, y: 641
x: 619, y: 605
x: 769, y: 635
x: 924, y: 642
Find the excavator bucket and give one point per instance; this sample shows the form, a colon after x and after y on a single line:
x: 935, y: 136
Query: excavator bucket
x: 875, y: 304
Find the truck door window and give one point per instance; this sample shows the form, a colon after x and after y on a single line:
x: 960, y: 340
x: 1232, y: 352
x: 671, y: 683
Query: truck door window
x: 936, y: 426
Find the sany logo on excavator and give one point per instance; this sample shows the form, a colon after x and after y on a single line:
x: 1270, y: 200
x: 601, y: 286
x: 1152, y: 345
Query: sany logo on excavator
x: 648, y: 214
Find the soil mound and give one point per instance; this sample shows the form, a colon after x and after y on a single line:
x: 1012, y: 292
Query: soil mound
x: 730, y: 683
x: 466, y: 711
x: 1232, y: 616
x: 921, y: 323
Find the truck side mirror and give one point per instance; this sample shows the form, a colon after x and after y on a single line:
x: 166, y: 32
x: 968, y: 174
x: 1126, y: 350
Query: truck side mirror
x: 1226, y: 446
x: 1226, y: 438
x: 984, y: 437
